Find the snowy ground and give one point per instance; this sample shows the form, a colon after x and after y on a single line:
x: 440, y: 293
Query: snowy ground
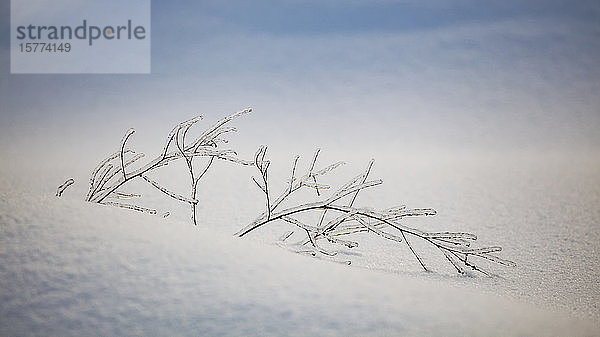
x: 73, y: 268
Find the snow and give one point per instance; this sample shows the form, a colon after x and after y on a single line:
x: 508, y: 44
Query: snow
x: 68, y: 267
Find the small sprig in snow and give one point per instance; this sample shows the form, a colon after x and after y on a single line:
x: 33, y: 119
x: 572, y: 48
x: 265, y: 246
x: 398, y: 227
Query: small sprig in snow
x: 111, y: 173
x: 347, y: 219
x: 339, y: 218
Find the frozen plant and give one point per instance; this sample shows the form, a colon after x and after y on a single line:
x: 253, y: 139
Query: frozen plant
x: 339, y: 218
x: 110, y: 177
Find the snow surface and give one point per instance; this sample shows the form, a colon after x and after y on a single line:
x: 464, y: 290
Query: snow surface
x: 69, y: 268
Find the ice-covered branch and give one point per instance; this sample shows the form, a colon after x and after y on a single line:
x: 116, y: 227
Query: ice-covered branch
x: 347, y: 219
x: 112, y: 172
x: 339, y: 218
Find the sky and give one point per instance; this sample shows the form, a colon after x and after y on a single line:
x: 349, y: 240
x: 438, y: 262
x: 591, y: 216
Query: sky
x: 493, y: 76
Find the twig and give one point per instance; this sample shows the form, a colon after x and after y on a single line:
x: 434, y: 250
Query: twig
x: 123, y: 141
x: 109, y: 176
x: 64, y: 186
x: 351, y: 219
x: 130, y: 206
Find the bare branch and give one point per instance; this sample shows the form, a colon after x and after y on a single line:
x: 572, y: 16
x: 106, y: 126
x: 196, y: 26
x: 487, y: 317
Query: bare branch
x: 132, y: 207
x: 101, y: 166
x: 451, y: 258
x: 169, y: 193
x: 497, y: 260
x: 64, y: 186
x: 123, y: 141
x: 292, y: 177
x: 175, y: 130
x: 350, y: 219
x: 366, y: 174
x: 102, y: 184
x: 356, y: 188
x: 121, y: 195
x: 285, y: 236
x: 413, y: 251
x: 377, y: 231
x: 202, y: 140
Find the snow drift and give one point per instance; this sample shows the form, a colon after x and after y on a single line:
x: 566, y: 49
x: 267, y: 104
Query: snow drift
x: 74, y: 268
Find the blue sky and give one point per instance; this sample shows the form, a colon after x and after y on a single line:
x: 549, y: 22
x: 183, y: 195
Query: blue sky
x: 488, y: 75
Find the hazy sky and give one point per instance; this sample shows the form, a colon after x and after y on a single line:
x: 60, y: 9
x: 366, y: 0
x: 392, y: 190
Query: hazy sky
x: 494, y: 74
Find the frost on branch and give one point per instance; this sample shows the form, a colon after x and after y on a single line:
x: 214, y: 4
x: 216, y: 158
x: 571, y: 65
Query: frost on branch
x: 112, y: 174
x: 345, y: 219
x: 338, y: 216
